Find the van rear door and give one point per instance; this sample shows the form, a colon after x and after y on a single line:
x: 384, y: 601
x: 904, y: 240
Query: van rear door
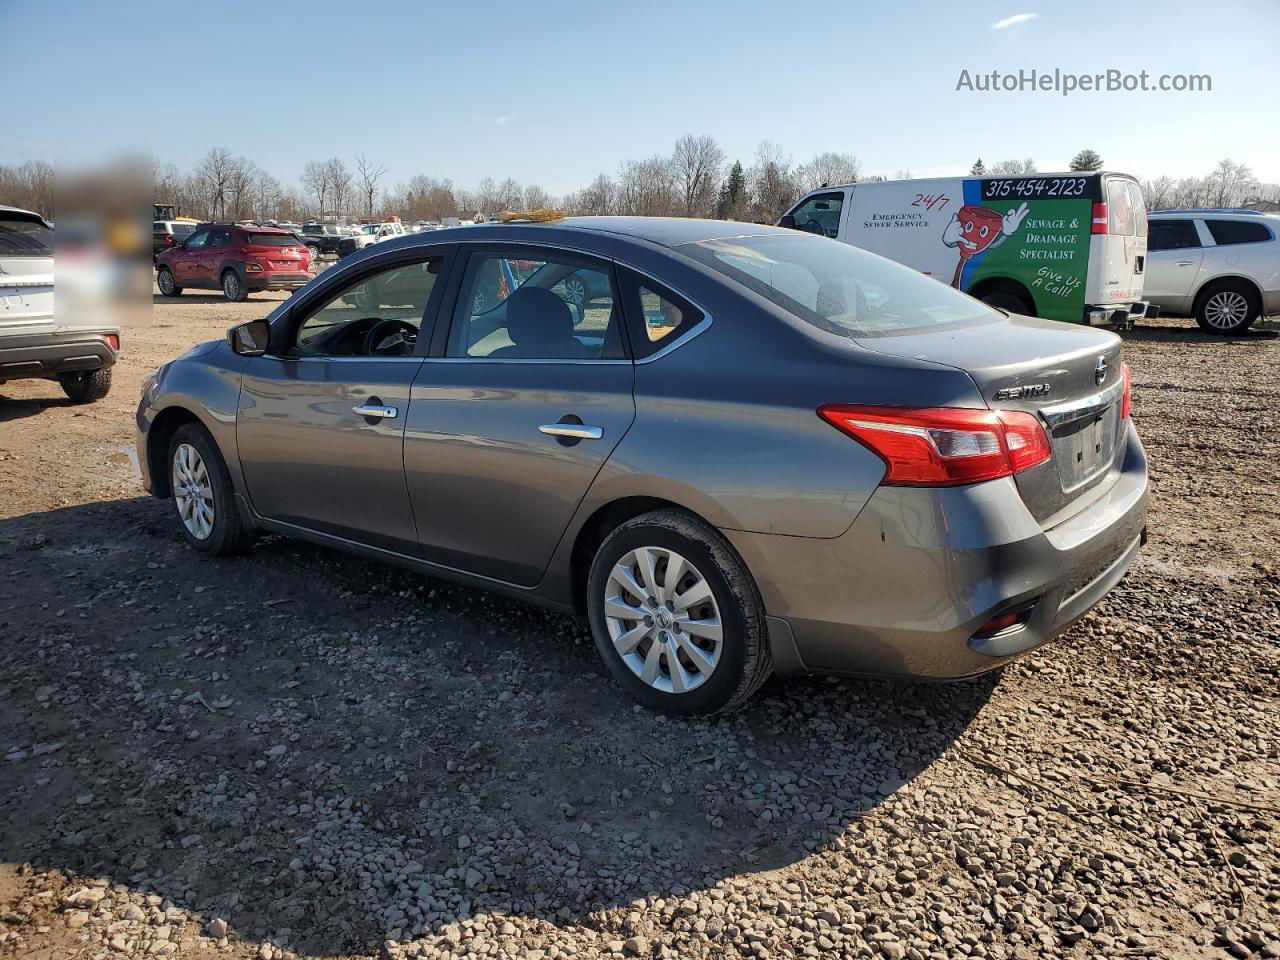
x: 1118, y: 251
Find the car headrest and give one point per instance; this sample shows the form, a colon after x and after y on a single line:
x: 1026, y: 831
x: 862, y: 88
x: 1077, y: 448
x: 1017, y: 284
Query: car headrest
x: 536, y: 316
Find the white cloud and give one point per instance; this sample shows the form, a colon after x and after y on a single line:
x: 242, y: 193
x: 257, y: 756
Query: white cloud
x: 500, y: 121
x: 1013, y: 21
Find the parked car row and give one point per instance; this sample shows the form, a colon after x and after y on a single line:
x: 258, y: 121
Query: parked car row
x: 1077, y: 247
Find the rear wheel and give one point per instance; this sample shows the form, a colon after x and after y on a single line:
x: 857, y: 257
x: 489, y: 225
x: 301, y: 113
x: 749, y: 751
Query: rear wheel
x: 1227, y: 308
x: 315, y: 252
x: 87, y: 385
x: 676, y: 616
x: 1008, y: 300
x: 232, y: 288
x: 203, y: 494
x: 167, y: 284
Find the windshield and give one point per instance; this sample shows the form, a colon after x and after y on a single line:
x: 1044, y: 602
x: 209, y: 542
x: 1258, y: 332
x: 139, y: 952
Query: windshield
x: 24, y: 237
x: 839, y: 288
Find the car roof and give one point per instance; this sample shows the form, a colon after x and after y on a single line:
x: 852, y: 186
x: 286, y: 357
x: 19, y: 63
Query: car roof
x: 664, y: 231
x: 1211, y: 212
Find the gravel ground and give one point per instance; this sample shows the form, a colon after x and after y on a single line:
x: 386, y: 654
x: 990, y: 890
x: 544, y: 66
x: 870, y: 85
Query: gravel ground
x: 296, y: 753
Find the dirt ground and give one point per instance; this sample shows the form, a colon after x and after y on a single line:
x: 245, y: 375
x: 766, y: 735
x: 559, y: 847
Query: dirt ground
x: 300, y: 753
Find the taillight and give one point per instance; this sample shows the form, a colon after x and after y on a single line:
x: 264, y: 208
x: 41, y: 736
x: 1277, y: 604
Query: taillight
x: 168, y: 240
x: 113, y: 342
x: 944, y: 446
x: 1101, y: 218
x: 1126, y: 398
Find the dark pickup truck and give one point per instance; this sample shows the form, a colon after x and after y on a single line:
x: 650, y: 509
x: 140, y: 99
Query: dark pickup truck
x: 322, y: 237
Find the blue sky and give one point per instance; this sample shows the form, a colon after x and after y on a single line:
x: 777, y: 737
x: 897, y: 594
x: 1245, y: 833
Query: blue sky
x: 553, y: 92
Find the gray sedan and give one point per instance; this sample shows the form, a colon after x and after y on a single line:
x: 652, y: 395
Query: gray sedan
x: 755, y: 451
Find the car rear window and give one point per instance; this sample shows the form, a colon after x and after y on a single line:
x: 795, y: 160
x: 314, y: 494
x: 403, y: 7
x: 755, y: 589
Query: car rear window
x: 839, y: 288
x: 1237, y: 231
x: 1120, y: 208
x: 24, y: 237
x: 273, y: 239
x: 183, y: 229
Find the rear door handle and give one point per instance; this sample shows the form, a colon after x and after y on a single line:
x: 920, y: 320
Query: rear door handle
x: 373, y: 410
x: 577, y: 431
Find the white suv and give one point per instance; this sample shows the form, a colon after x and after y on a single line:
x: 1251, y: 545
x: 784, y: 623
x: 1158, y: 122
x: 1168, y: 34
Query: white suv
x: 1220, y: 266
x: 77, y: 347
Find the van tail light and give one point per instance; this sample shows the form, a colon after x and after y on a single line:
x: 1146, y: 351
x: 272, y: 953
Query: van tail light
x: 1101, y: 218
x: 1126, y: 398
x: 943, y: 446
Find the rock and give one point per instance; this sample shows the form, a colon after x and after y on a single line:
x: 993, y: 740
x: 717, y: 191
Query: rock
x: 637, y: 946
x: 216, y: 928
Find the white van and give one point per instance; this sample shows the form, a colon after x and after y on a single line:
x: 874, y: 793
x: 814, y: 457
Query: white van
x: 1064, y: 246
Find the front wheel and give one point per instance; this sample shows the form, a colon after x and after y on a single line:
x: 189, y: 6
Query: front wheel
x: 232, y: 288
x: 314, y: 251
x: 167, y: 284
x: 676, y: 616
x: 86, y: 386
x: 1227, y: 308
x: 203, y: 494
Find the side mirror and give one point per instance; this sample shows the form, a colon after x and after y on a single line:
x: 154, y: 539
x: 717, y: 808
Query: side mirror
x: 788, y: 221
x: 250, y: 339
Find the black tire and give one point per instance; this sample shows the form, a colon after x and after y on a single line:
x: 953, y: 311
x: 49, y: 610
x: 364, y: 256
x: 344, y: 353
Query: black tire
x: 745, y: 660
x: 315, y: 252
x: 1217, y: 302
x: 233, y: 287
x: 86, y: 386
x: 229, y: 534
x: 1007, y: 300
x: 165, y: 276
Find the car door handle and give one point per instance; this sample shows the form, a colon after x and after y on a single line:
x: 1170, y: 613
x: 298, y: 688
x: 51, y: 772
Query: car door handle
x: 373, y: 410
x: 1184, y: 263
x: 577, y: 431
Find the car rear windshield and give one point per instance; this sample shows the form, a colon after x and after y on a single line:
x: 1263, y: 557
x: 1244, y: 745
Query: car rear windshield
x: 273, y: 239
x: 24, y: 237
x: 839, y: 288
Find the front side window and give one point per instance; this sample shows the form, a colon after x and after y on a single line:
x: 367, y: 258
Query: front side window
x: 377, y: 316
x: 1235, y: 231
x: 820, y: 214
x: 1172, y: 235
x: 839, y: 288
x: 198, y: 240
x: 546, y: 309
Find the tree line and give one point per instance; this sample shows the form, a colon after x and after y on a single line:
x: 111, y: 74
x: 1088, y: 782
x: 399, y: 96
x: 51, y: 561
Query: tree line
x: 696, y: 179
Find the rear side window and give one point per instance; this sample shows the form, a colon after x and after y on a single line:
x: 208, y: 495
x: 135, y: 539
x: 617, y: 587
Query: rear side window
x: 273, y: 239
x: 656, y: 316
x: 1235, y: 231
x: 219, y: 238
x: 24, y: 237
x: 820, y: 214
x: 1172, y: 235
x: 1120, y: 208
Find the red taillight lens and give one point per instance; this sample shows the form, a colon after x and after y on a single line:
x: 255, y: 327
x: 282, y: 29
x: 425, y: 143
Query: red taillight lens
x: 944, y: 446
x: 1101, y: 218
x: 1126, y: 398
x: 114, y: 342
x: 168, y: 239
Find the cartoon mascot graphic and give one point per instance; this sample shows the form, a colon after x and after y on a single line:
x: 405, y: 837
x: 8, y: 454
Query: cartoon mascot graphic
x: 975, y: 229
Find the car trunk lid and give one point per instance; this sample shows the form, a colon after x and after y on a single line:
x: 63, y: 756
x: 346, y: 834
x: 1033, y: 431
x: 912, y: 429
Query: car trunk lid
x: 26, y: 295
x: 1068, y: 375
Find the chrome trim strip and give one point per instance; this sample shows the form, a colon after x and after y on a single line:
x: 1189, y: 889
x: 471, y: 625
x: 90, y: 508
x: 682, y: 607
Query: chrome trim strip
x: 1060, y: 413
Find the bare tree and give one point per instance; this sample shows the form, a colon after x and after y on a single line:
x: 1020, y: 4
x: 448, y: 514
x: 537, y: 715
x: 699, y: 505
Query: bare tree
x: 695, y: 169
x: 1007, y: 168
x: 340, y: 185
x: 509, y: 197
x: 29, y: 186
x: 214, y: 174
x: 1229, y: 182
x: 315, y: 177
x: 827, y: 169
x: 646, y: 188
x: 598, y: 199
x: 536, y: 198
x: 241, y: 184
x: 773, y: 185
x: 368, y: 174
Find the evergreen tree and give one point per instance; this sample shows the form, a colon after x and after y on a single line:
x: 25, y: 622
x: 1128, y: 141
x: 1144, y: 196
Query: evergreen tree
x: 978, y: 169
x: 1086, y: 161
x: 733, y: 193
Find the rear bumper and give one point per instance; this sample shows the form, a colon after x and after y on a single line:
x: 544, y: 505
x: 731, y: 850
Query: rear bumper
x: 276, y: 281
x: 1118, y: 314
x: 37, y: 356
x: 905, y: 590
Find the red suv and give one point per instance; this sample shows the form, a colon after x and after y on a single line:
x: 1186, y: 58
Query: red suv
x: 235, y: 260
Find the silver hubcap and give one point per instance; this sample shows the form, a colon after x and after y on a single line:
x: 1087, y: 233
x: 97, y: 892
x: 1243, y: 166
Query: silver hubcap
x: 166, y: 283
x: 663, y: 619
x: 230, y: 285
x: 576, y: 291
x: 192, y: 491
x: 1226, y: 309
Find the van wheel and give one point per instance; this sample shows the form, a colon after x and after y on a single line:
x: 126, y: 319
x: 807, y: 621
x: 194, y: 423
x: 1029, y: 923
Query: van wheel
x: 86, y: 386
x: 168, y: 286
x: 1226, y: 308
x: 676, y: 615
x: 1007, y: 300
x: 232, y: 288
